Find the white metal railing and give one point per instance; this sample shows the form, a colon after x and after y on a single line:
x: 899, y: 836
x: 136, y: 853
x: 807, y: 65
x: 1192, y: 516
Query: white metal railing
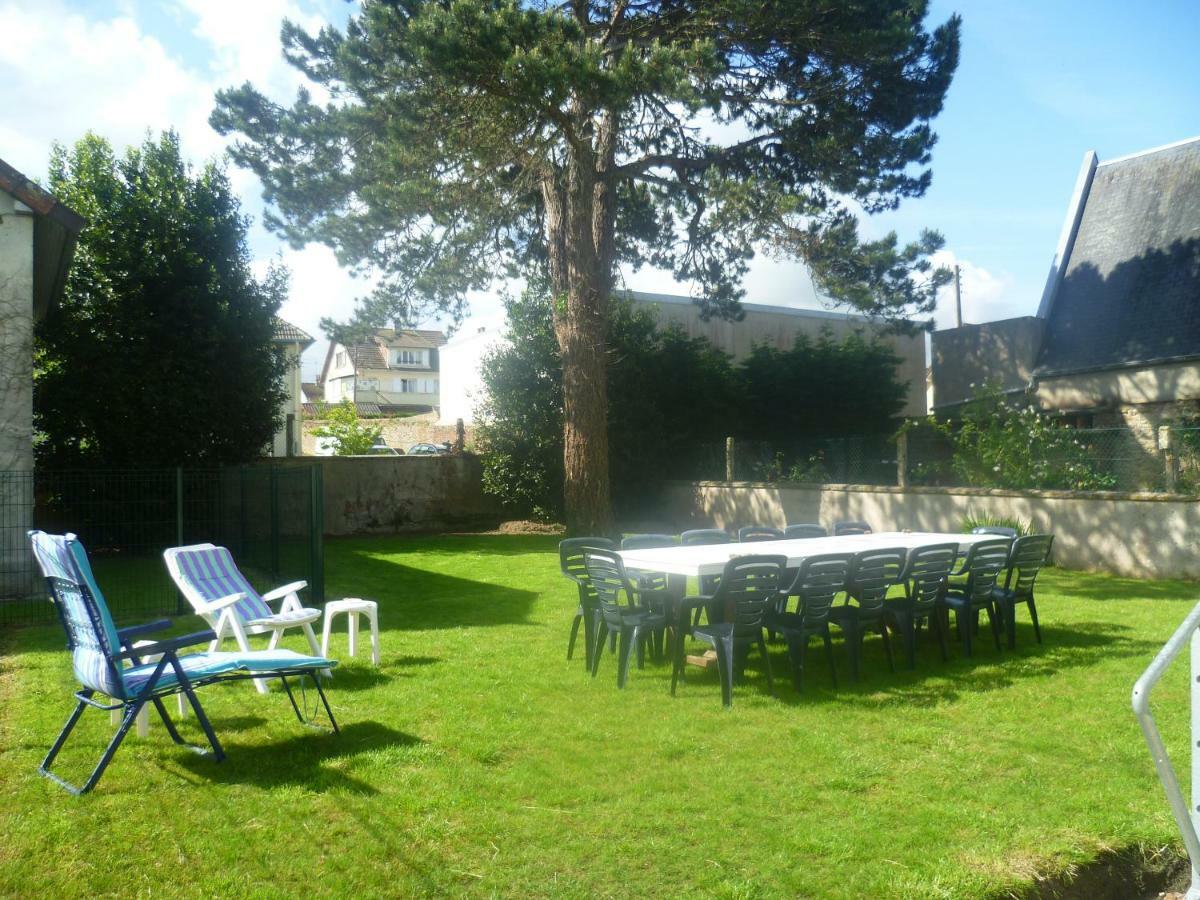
x: 1186, y: 818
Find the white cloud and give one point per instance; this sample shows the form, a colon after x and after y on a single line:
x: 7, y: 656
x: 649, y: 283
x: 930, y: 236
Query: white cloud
x: 986, y: 296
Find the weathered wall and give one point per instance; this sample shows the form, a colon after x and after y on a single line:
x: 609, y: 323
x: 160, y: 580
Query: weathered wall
x: 1135, y: 535
x: 385, y: 494
x: 16, y: 381
x: 1003, y: 351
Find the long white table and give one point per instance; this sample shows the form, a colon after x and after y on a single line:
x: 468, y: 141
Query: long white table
x: 710, y: 559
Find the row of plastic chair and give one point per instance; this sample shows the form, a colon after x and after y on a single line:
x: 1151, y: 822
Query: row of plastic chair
x: 756, y: 592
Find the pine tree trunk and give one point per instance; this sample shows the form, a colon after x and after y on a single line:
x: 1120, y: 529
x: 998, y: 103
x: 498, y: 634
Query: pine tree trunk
x: 579, y: 277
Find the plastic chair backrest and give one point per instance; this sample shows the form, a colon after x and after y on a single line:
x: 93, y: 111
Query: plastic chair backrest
x: 571, y: 552
x: 607, y: 576
x: 648, y: 541
x: 985, y: 561
x: 750, y: 584
x: 871, y: 573
x: 1028, y: 556
x: 91, y: 635
x: 851, y: 527
x: 926, y: 573
x: 818, y: 581
x: 1002, y: 530
x: 750, y: 533
x: 704, y: 536
x: 804, y: 531
x: 209, y: 573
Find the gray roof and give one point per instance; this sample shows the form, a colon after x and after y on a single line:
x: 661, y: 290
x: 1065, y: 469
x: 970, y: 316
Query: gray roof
x: 287, y: 333
x: 1130, y: 288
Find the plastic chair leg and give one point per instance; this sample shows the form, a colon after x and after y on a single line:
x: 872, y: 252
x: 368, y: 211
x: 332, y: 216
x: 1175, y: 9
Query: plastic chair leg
x: 829, y: 655
x: 797, y: 648
x: 762, y: 648
x: 887, y: 646
x: 725, y: 669
x: 626, y: 642
x: 1037, y: 631
x: 994, y: 621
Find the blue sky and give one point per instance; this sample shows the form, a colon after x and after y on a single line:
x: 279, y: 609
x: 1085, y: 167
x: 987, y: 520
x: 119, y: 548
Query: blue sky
x: 1039, y: 84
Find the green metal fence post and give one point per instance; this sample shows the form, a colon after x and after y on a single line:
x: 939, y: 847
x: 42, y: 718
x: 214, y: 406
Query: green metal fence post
x: 316, y: 531
x: 274, y: 486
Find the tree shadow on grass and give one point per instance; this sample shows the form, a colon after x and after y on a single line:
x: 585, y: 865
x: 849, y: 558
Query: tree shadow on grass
x: 933, y: 682
x: 307, y: 760
x: 412, y: 599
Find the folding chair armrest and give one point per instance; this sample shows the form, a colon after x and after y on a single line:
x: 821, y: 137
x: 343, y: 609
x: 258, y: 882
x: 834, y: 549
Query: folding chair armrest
x: 285, y: 590
x: 170, y: 644
x: 124, y: 634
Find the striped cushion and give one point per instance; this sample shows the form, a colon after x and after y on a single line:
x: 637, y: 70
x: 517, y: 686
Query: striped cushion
x: 212, y: 574
x: 203, y: 665
x: 89, y: 625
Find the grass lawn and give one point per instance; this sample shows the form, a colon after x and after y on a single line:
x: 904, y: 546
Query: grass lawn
x: 477, y: 760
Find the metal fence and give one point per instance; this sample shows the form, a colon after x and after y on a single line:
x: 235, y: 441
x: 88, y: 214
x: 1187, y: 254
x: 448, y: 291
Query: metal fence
x: 858, y: 459
x: 269, y: 516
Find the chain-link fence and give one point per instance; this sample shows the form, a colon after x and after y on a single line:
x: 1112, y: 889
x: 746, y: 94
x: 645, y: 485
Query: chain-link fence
x: 1119, y: 459
x: 269, y: 517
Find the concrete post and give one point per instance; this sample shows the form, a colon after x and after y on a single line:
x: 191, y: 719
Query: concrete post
x: 902, y: 459
x: 729, y: 469
x: 1170, y: 460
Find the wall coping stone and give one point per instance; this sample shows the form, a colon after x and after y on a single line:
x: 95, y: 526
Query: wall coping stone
x: 1140, y: 496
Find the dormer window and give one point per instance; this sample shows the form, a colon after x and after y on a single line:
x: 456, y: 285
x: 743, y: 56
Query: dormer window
x: 409, y: 357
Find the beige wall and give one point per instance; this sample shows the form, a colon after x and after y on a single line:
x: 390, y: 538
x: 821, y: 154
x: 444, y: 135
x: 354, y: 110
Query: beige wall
x: 778, y: 327
x: 1117, y: 387
x: 16, y: 384
x: 388, y: 494
x: 1134, y: 535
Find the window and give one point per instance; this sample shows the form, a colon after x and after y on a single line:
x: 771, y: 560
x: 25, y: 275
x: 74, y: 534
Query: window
x: 368, y: 384
x: 340, y: 359
x: 416, y: 385
x: 409, y: 357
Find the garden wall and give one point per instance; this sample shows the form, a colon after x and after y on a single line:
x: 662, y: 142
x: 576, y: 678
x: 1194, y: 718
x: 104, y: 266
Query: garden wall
x: 386, y: 494
x: 1138, y: 535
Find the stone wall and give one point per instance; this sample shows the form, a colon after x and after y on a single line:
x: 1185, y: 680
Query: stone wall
x: 388, y: 494
x: 1134, y: 535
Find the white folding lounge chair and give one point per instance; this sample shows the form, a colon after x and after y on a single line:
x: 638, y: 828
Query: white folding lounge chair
x: 209, y: 579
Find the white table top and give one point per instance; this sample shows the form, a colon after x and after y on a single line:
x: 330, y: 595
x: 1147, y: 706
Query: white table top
x: 710, y: 559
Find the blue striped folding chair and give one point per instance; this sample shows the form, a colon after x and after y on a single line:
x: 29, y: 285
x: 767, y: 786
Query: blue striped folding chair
x: 107, y: 664
x: 209, y: 578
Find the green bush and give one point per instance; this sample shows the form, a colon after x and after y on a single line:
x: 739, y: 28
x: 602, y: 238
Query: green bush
x: 350, y: 437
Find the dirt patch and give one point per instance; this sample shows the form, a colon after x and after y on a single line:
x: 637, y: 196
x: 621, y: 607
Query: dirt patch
x: 521, y: 526
x: 1136, y: 872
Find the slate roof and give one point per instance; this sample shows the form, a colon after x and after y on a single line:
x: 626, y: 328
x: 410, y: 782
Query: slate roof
x: 1130, y: 291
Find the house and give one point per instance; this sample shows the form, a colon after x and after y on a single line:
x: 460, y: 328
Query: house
x: 294, y: 341
x: 37, y: 244
x: 394, y: 369
x: 776, y: 326
x: 1116, y: 338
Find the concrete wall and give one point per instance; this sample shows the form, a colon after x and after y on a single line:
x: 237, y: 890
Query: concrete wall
x: 387, y: 494
x: 1003, y: 351
x: 1117, y: 387
x: 1134, y: 535
x: 16, y: 382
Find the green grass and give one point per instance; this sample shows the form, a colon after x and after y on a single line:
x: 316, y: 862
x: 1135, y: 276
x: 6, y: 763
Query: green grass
x: 478, y: 761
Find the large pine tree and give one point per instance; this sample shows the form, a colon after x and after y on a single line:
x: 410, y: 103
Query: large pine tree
x: 461, y: 140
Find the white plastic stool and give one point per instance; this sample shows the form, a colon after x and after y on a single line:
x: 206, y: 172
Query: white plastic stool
x: 352, y: 606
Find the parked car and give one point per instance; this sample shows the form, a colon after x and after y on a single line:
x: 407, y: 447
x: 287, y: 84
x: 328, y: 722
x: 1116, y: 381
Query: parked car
x: 382, y: 449
x: 429, y: 449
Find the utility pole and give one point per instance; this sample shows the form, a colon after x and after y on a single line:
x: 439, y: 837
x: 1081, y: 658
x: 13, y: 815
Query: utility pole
x: 957, y: 297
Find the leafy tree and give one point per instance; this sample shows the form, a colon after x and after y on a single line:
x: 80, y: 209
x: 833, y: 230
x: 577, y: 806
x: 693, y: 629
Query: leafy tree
x: 656, y: 425
x: 821, y: 387
x: 469, y: 139
x: 161, y: 351
x: 350, y: 437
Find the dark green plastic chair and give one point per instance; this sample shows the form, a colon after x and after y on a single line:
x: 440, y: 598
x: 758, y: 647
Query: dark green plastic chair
x: 1028, y: 556
x: 851, y: 527
x: 701, y: 536
x: 985, y: 561
x: 657, y: 589
x: 818, y: 581
x: 747, y: 592
x: 869, y: 577
x: 571, y: 562
x: 793, y: 532
x: 749, y: 533
x: 632, y: 621
x: 924, y: 580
